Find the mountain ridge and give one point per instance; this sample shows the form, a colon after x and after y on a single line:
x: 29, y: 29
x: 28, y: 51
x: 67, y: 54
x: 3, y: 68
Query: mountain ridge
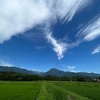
x: 19, y: 70
x: 52, y: 71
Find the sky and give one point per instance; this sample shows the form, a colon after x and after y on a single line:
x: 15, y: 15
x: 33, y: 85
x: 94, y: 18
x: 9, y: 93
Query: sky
x: 44, y: 34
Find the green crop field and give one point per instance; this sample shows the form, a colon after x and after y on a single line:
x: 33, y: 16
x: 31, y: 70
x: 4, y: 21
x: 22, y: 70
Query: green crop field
x: 43, y: 90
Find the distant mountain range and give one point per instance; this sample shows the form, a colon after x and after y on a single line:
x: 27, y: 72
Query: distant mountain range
x: 19, y: 70
x: 56, y: 72
x: 53, y: 71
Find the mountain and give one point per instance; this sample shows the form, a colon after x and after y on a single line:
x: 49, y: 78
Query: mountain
x: 19, y: 70
x: 53, y: 72
x: 56, y: 72
x: 89, y: 74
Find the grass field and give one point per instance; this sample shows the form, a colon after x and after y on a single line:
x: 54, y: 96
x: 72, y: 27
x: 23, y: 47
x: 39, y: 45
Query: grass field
x: 49, y: 91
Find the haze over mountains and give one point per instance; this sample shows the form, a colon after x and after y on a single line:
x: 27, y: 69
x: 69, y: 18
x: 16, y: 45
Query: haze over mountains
x: 53, y: 71
x: 19, y: 70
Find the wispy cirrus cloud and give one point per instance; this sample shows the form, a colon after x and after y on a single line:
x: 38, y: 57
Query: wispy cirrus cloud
x: 66, y: 9
x: 18, y: 16
x: 61, y: 46
x: 92, y: 30
x: 58, y: 46
x: 96, y: 50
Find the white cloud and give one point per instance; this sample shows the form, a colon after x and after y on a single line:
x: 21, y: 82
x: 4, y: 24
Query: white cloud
x: 92, y: 30
x: 96, y: 50
x: 18, y: 16
x: 5, y: 63
x: 66, y: 9
x: 71, y: 68
x: 58, y: 46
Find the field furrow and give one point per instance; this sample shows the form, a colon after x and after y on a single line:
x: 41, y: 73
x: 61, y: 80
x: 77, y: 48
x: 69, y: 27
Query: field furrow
x: 60, y: 93
x: 43, y: 94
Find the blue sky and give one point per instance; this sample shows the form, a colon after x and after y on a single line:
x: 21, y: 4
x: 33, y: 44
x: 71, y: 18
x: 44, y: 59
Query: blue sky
x: 43, y: 34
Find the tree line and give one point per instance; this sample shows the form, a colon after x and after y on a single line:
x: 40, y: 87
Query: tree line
x: 13, y: 76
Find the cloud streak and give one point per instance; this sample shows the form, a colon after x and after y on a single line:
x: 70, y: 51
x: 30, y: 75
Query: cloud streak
x: 96, y: 50
x: 66, y: 9
x: 58, y: 46
x: 92, y: 30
